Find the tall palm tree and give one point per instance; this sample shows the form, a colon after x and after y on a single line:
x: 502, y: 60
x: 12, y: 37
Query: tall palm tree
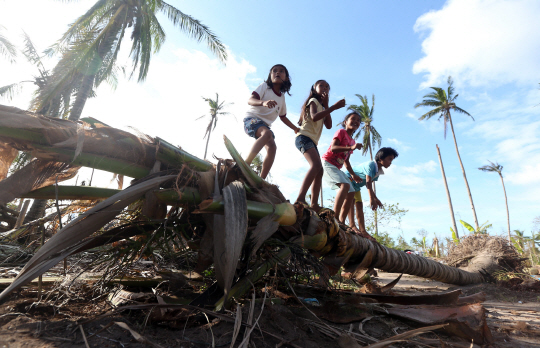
x: 92, y: 43
x: 215, y: 110
x: 497, y: 168
x: 371, y: 136
x: 442, y: 102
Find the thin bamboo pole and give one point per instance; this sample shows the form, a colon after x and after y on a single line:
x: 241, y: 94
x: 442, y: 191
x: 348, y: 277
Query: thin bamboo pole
x: 447, y: 193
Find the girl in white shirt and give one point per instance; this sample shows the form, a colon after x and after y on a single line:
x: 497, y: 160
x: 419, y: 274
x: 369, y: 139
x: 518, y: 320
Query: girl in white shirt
x: 267, y: 102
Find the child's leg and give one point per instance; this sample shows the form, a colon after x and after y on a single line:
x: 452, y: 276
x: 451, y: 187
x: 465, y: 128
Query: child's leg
x: 360, y: 216
x: 271, y: 148
x: 340, y: 199
x: 351, y: 217
x: 263, y: 135
x: 347, y: 204
x: 316, y: 190
x: 315, y: 168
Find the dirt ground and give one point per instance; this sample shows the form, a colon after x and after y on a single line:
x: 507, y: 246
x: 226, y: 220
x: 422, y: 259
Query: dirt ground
x: 513, y: 318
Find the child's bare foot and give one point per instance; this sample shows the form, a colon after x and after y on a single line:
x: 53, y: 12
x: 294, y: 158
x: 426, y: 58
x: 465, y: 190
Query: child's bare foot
x: 304, y: 203
x: 366, y: 235
x: 316, y: 208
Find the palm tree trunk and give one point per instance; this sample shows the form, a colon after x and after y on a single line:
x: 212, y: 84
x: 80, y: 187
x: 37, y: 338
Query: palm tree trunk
x: 464, y: 175
x: 447, y: 193
x: 207, y: 141
x: 507, y: 212
x: 37, y: 210
x: 375, y: 191
x: 82, y: 96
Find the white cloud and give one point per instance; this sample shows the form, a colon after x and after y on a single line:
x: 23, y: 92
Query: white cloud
x: 481, y: 42
x: 401, y: 146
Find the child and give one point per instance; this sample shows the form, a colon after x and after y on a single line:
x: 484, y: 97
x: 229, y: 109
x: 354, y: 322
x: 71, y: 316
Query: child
x: 314, y: 113
x: 267, y: 103
x: 369, y: 172
x: 340, y: 149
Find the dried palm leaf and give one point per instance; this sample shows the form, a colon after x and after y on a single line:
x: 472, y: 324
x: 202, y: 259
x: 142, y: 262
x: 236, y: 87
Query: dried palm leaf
x: 228, y: 241
x: 65, y: 241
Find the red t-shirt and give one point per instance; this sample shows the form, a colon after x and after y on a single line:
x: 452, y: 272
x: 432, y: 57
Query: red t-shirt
x: 338, y: 158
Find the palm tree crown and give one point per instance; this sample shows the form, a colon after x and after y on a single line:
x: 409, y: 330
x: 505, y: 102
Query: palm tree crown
x: 442, y: 102
x: 492, y: 167
x: 371, y: 137
x: 92, y: 43
x: 216, y: 109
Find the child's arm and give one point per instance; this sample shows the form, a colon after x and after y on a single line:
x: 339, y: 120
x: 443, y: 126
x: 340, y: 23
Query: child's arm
x: 326, y: 112
x: 355, y: 177
x: 255, y: 100
x: 289, y: 124
x: 336, y: 147
x: 373, y: 200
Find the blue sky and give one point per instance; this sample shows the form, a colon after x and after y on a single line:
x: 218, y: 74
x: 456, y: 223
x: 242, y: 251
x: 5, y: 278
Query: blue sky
x: 394, y: 50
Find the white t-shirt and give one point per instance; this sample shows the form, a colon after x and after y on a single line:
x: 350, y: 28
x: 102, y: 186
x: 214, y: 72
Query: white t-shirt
x: 263, y: 113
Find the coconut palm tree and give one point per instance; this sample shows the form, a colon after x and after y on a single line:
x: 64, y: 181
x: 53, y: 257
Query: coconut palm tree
x: 371, y: 136
x: 497, y: 168
x: 7, y: 49
x: 92, y: 43
x: 442, y: 102
x: 216, y: 109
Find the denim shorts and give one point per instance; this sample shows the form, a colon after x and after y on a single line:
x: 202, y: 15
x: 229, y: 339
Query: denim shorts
x: 304, y: 143
x: 333, y: 176
x: 252, y: 124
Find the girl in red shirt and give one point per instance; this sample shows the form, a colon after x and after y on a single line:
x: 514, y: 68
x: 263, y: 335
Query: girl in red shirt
x: 338, y: 153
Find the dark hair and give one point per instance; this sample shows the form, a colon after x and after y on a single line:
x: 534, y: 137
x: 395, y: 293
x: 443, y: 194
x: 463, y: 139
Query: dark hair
x: 385, y: 152
x: 285, y: 85
x: 312, y: 94
x: 349, y: 115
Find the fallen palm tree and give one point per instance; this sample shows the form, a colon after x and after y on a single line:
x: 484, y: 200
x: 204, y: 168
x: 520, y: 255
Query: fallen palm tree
x: 236, y: 221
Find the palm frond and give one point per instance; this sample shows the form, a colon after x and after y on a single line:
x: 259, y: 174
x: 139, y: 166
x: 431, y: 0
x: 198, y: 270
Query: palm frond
x: 376, y: 138
x: 450, y: 88
x: 31, y: 54
x: 365, y: 140
x: 7, y: 49
x: 428, y: 102
x: 431, y: 113
x: 460, y: 110
x: 194, y: 28
x: 10, y: 91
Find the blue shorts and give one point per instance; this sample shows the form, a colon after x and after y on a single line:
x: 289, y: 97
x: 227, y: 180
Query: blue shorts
x: 252, y: 124
x: 304, y: 143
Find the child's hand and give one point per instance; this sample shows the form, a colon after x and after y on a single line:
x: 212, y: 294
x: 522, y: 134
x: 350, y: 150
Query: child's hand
x: 269, y: 103
x: 356, y: 146
x: 375, y: 204
x: 339, y: 104
x: 296, y: 130
x: 324, y: 100
x: 356, y: 178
